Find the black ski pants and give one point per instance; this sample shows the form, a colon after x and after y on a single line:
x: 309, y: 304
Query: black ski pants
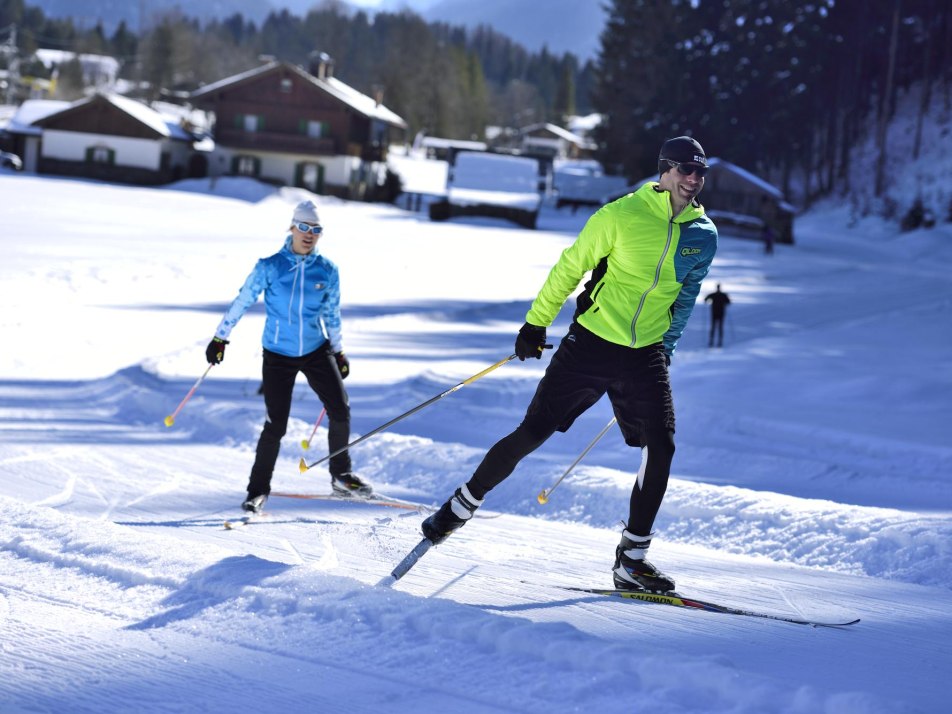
x: 584, y: 368
x: 278, y: 375
x: 717, y: 325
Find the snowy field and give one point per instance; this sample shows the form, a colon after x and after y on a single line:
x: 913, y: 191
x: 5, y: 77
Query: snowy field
x: 813, y: 476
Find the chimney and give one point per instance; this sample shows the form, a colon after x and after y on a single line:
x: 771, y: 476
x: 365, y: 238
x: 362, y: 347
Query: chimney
x: 377, y: 92
x: 321, y: 65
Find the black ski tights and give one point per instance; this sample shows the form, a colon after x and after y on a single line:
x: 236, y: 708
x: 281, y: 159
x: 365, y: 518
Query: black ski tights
x: 502, y: 458
x: 646, y: 498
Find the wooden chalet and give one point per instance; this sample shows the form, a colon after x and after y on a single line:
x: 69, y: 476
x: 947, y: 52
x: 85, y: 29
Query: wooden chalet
x: 282, y: 124
x: 113, y: 138
x: 739, y: 202
x: 747, y: 203
x: 550, y: 141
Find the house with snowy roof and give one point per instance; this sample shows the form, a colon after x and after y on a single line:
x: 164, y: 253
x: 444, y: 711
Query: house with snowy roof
x: 737, y: 200
x: 283, y: 124
x: 105, y: 136
x: 550, y: 141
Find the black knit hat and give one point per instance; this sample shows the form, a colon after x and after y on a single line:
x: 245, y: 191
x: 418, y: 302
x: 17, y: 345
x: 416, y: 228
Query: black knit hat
x: 682, y: 149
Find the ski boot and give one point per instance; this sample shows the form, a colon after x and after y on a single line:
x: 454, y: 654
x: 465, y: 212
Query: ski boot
x: 349, y: 484
x: 452, y: 515
x: 254, y: 504
x: 632, y: 571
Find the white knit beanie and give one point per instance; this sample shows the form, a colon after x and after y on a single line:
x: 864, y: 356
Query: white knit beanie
x: 306, y: 212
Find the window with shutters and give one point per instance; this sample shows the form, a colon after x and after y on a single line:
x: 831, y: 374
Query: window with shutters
x: 315, y: 129
x: 246, y: 165
x: 100, y: 155
x: 249, y: 122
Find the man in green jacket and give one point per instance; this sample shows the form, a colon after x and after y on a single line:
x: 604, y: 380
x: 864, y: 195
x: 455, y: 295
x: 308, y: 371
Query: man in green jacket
x: 648, y: 253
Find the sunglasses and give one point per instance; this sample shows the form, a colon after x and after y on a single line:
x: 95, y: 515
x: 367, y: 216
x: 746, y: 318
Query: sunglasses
x: 688, y: 169
x: 307, y: 228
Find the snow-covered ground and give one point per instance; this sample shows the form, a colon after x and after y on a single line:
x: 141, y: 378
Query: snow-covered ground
x: 813, y: 475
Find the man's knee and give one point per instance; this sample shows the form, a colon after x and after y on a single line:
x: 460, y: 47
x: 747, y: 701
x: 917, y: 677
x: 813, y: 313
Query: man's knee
x: 660, y: 443
x: 340, y: 414
x: 275, y: 430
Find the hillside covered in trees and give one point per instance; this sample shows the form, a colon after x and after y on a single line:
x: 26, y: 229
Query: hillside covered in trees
x: 801, y: 93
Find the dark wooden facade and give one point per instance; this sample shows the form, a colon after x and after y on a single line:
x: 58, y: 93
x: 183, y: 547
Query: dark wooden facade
x: 99, y: 116
x: 284, y: 103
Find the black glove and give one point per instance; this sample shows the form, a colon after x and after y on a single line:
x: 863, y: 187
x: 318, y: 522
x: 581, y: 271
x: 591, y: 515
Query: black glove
x: 343, y: 364
x: 215, y: 352
x: 530, y: 342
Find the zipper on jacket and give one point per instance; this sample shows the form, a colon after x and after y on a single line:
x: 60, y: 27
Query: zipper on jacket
x: 301, y: 313
x: 297, y: 283
x: 657, y: 279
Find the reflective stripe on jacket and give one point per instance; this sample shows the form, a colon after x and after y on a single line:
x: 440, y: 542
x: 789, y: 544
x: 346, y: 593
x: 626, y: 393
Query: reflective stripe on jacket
x: 647, y: 267
x: 301, y: 300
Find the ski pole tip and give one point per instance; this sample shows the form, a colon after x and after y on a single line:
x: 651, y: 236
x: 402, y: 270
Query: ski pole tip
x: 303, y: 465
x: 386, y: 581
x: 543, y: 497
x: 169, y: 420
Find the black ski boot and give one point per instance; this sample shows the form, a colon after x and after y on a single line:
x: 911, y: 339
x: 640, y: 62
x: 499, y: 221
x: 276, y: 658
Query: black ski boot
x: 349, y: 484
x: 632, y: 571
x: 451, y: 516
x: 254, y: 504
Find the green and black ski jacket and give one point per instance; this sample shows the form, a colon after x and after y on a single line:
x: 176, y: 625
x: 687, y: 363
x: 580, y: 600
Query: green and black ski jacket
x: 647, y: 266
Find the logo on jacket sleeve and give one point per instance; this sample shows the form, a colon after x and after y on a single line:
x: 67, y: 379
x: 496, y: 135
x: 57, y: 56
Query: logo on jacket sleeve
x: 690, y: 251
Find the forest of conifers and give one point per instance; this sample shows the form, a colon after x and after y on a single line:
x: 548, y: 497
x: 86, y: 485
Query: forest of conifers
x: 781, y: 87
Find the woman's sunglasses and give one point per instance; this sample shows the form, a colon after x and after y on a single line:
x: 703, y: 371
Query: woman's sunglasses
x: 307, y: 228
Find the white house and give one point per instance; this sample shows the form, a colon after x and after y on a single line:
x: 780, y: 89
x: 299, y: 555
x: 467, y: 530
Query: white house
x: 114, y: 138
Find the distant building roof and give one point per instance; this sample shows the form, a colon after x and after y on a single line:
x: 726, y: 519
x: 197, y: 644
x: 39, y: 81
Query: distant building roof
x: 557, y: 131
x: 358, y: 101
x: 166, y: 126
x: 435, y: 142
x: 584, y: 125
x: 32, y: 110
x: 97, y: 69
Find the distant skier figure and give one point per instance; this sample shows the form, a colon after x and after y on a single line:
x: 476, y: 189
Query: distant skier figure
x: 648, y: 253
x: 719, y: 302
x: 302, y: 333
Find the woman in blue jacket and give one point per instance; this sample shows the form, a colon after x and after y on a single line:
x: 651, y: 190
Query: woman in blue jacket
x: 301, y: 334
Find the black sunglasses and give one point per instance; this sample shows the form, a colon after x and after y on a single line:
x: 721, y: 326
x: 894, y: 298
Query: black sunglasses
x: 688, y: 169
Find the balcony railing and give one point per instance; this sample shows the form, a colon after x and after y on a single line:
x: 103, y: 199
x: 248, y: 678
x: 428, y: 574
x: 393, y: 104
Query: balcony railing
x: 272, y: 141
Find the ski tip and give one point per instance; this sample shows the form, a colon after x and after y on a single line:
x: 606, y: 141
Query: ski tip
x: 835, y: 624
x: 302, y: 465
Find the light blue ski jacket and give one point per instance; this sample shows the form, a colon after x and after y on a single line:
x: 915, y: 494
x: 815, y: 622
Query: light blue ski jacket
x: 301, y: 300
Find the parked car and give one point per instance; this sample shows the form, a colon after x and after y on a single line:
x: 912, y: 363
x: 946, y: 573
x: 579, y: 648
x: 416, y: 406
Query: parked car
x: 10, y: 161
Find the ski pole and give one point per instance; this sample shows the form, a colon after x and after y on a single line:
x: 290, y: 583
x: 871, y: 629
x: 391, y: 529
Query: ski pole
x: 306, y: 443
x: 304, y: 466
x: 170, y: 419
x: 544, y: 494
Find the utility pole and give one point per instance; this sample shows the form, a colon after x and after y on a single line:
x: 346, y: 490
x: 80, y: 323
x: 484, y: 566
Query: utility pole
x: 10, y: 51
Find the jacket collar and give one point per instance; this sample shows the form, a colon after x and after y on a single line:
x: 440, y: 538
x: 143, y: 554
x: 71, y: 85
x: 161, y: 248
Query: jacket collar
x: 660, y: 203
x: 288, y: 253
